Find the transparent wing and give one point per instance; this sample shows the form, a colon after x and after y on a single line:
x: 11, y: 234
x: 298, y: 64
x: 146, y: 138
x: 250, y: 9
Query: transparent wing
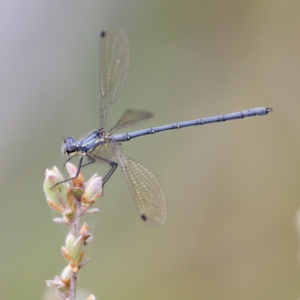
x: 104, y: 151
x: 131, y: 117
x: 114, y: 65
x: 147, y: 192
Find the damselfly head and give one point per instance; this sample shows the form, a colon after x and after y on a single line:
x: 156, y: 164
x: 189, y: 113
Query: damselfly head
x: 69, y: 146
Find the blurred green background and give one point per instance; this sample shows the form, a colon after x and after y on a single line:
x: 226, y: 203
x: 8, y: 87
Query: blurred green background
x: 232, y: 188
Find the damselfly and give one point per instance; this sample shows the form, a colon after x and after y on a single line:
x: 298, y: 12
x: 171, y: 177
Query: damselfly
x: 147, y: 192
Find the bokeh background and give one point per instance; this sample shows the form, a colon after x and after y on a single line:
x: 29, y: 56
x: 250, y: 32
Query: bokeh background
x: 232, y: 188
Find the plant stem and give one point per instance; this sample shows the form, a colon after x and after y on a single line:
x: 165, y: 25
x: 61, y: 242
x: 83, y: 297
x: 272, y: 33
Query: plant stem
x: 73, y: 286
x: 75, y: 231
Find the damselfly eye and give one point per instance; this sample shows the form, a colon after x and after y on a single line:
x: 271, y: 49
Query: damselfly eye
x: 69, y: 147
